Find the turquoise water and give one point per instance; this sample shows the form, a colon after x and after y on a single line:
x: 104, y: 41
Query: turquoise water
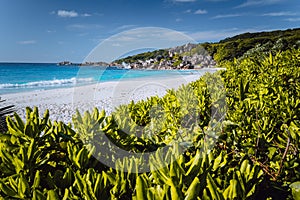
x: 20, y: 77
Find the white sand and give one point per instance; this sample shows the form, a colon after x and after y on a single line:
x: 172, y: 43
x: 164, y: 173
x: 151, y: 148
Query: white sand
x: 63, y: 102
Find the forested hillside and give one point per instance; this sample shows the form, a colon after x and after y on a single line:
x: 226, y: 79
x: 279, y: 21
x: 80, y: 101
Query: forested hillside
x: 241, y: 45
x: 248, y: 43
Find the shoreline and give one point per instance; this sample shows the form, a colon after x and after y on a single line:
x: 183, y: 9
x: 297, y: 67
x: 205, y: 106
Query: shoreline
x: 63, y: 102
x: 8, y: 88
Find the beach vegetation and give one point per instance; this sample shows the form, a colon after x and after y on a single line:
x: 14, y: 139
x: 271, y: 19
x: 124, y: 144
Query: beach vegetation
x: 247, y: 148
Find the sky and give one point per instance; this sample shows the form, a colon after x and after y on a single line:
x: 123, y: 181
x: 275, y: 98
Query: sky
x: 58, y: 30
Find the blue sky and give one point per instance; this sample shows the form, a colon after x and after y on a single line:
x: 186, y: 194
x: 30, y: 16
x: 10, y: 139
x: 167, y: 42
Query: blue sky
x: 56, y: 30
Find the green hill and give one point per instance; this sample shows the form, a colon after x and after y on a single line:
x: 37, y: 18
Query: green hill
x: 245, y: 44
x: 249, y: 43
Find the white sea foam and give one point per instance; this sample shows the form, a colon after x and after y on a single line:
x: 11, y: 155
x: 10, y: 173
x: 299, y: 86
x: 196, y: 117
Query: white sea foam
x: 48, y: 83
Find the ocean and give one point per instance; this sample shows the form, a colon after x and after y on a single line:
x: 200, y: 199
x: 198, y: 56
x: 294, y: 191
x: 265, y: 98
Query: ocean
x: 22, y: 77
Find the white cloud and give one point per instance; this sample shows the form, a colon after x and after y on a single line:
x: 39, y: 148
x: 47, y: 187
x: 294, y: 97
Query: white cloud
x: 77, y: 26
x: 178, y: 20
x: 51, y: 31
x: 293, y: 19
x: 135, y: 39
x: 258, y: 3
x: 83, y: 34
x: 126, y: 27
x: 84, y: 26
x: 98, y: 14
x: 216, y: 0
x: 216, y: 35
x: 226, y: 16
x: 116, y: 45
x: 126, y: 38
x: 278, y: 14
x: 65, y: 13
x: 184, y: 1
x: 25, y: 42
x: 200, y: 12
x: 188, y: 11
x: 86, y: 15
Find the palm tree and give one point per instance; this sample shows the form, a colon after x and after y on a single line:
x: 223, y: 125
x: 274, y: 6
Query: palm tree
x: 4, y: 111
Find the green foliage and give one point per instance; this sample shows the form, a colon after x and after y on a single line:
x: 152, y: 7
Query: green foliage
x: 296, y: 190
x: 253, y: 44
x: 256, y: 44
x: 239, y: 46
x: 263, y: 100
x: 196, y: 153
x: 143, y: 56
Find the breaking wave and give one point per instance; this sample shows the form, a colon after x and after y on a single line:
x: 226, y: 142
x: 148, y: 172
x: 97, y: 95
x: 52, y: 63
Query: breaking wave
x: 48, y: 83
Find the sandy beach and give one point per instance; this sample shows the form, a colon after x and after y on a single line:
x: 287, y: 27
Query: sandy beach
x: 62, y: 103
